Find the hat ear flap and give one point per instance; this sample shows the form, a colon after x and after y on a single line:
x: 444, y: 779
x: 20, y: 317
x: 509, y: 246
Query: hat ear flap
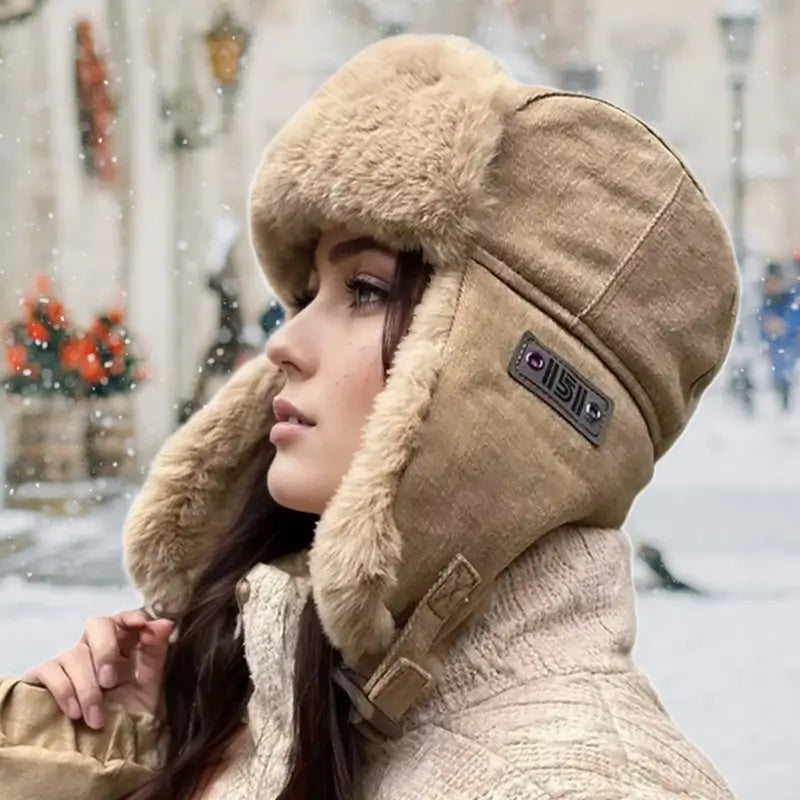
x: 197, y: 485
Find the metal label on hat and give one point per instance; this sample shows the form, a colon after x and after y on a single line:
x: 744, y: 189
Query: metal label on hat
x: 562, y: 387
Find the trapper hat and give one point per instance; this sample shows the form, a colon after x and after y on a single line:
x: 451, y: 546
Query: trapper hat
x: 584, y: 295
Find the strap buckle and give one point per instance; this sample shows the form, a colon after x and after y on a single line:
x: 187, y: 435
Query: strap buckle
x: 366, y: 717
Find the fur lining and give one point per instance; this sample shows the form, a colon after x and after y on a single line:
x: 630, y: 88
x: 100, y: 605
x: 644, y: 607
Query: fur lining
x: 357, y: 548
x: 195, y: 485
x: 411, y: 165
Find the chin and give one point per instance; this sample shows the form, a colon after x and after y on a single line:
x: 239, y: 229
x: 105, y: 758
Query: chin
x: 294, y: 486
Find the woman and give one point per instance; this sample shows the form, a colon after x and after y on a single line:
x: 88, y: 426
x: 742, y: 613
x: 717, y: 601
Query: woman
x: 505, y: 304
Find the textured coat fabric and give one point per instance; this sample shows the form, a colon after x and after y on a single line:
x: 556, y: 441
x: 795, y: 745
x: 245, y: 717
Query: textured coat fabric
x: 539, y: 697
x: 538, y: 700
x: 44, y: 754
x: 562, y: 231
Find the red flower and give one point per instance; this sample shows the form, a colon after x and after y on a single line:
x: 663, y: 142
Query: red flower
x: 72, y: 354
x: 44, y: 286
x: 99, y: 329
x: 55, y: 314
x: 17, y: 357
x: 92, y: 370
x: 116, y: 343
x: 116, y: 316
x: 37, y: 331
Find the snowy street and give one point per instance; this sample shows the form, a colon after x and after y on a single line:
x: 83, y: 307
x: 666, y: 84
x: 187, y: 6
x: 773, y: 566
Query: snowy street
x: 727, y: 665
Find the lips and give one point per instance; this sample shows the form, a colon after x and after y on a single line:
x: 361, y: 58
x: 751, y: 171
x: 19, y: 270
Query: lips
x: 285, y: 412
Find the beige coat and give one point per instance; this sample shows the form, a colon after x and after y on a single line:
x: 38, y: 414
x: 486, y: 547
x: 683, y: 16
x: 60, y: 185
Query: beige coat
x: 583, y: 297
x: 538, y: 699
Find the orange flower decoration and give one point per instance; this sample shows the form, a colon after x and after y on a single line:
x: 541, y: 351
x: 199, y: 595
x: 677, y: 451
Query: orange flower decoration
x: 37, y: 331
x: 17, y: 357
x: 116, y: 343
x: 92, y: 370
x: 43, y: 284
x: 55, y: 313
x: 72, y: 355
x: 99, y: 329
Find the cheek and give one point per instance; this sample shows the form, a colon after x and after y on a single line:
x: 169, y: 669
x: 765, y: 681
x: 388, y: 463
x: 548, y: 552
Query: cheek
x: 362, y: 378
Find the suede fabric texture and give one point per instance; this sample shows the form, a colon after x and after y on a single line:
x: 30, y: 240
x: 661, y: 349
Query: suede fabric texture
x: 45, y: 754
x: 541, y: 212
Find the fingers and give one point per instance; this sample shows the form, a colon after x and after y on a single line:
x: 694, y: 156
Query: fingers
x: 156, y: 632
x: 102, y: 636
x: 52, y: 677
x: 152, y: 655
x: 128, y: 648
x: 78, y: 665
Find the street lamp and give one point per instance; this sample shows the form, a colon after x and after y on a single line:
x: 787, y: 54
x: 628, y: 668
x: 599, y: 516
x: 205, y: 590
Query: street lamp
x: 227, y: 43
x: 737, y: 24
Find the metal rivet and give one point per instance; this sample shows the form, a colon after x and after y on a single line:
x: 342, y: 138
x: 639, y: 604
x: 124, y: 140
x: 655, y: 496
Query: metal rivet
x: 593, y: 411
x: 535, y: 360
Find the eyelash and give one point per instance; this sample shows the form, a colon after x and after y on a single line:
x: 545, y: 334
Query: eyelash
x: 355, y: 286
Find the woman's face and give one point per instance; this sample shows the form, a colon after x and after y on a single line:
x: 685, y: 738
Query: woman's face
x: 330, y: 353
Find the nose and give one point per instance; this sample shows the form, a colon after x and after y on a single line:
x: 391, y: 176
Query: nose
x: 290, y: 348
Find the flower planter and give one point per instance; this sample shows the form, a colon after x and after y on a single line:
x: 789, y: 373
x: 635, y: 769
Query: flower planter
x: 47, y: 440
x: 110, y: 437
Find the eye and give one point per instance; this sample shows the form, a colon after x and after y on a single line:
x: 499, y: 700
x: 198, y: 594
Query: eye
x: 366, y: 293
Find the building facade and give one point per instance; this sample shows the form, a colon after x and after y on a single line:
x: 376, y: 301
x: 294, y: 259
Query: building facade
x: 183, y: 151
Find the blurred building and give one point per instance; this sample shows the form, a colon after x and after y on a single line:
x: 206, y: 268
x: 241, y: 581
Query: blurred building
x: 666, y: 62
x: 184, y: 146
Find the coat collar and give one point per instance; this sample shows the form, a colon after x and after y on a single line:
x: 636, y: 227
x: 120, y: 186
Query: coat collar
x: 564, y: 606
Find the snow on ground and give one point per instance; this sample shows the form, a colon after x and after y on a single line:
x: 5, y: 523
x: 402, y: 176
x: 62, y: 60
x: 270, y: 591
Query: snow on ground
x: 725, y: 510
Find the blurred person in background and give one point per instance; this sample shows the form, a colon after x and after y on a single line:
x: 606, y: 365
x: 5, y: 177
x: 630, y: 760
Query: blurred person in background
x: 780, y: 329
x: 392, y: 545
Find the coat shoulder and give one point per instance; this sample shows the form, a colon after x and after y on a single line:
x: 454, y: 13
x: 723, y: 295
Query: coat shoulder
x: 587, y: 735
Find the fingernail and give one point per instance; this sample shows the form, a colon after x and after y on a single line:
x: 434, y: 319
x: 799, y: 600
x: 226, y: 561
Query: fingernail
x: 73, y: 709
x: 108, y: 676
x: 95, y: 717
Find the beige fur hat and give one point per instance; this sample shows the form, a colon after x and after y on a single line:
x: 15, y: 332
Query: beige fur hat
x: 583, y: 297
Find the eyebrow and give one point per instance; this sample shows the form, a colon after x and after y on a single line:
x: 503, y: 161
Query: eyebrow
x: 352, y: 247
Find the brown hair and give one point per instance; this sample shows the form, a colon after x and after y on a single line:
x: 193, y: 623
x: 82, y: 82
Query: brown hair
x: 207, y: 682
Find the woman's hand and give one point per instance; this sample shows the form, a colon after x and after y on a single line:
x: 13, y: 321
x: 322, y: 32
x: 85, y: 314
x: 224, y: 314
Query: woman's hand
x: 119, y: 659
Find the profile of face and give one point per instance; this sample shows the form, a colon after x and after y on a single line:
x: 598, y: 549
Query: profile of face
x: 331, y: 355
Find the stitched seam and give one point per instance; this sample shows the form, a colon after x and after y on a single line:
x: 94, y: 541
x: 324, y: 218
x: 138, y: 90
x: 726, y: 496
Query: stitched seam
x: 619, y: 285
x: 633, y: 249
x: 571, y: 327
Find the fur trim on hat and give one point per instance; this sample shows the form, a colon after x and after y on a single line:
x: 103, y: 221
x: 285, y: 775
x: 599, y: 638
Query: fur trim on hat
x: 411, y: 165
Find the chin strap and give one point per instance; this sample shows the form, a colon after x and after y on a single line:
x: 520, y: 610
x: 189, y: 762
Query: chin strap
x: 367, y: 718
x: 380, y: 701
